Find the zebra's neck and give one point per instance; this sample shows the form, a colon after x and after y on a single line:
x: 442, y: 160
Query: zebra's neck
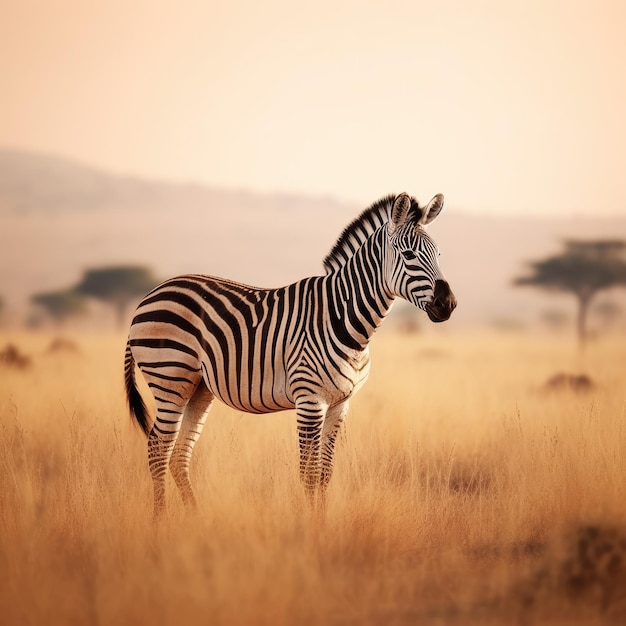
x: 359, y: 297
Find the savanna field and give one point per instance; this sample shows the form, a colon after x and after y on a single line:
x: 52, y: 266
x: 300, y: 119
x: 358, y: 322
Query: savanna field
x: 464, y: 492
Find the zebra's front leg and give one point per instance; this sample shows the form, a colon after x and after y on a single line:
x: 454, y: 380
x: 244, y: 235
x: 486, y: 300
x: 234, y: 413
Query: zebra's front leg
x: 335, y: 417
x: 310, y: 413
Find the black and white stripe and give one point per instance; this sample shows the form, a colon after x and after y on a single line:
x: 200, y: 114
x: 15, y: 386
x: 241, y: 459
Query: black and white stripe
x: 303, y: 346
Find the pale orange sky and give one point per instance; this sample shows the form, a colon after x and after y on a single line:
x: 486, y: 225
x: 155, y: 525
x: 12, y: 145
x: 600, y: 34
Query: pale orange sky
x: 504, y: 106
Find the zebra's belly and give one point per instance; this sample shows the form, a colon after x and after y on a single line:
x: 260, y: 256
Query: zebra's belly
x: 256, y: 405
x: 252, y: 393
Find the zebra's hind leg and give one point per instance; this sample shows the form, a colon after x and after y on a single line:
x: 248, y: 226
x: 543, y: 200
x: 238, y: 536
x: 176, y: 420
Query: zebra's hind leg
x: 172, y: 383
x: 161, y: 441
x: 194, y: 418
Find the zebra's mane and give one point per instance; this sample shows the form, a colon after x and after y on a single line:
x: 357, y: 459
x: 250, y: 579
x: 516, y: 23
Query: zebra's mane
x: 357, y: 232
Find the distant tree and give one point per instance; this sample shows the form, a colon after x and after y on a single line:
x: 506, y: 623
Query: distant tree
x: 61, y: 305
x: 118, y: 285
x: 583, y: 269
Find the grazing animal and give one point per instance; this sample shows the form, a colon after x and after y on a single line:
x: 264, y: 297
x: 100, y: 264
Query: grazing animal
x: 303, y: 346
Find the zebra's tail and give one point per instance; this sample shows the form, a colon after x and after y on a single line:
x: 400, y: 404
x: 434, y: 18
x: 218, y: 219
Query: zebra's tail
x: 136, y: 404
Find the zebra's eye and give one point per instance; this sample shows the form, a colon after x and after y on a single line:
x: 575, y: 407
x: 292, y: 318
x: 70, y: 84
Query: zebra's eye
x: 408, y: 254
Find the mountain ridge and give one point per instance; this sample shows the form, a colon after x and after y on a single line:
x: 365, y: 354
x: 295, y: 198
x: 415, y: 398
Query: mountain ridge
x: 39, y: 182
x: 58, y: 218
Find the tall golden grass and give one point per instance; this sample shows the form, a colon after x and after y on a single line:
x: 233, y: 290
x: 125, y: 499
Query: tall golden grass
x: 463, y: 493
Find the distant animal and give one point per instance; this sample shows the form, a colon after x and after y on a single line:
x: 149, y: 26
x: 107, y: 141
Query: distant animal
x: 573, y: 382
x: 12, y: 357
x: 303, y: 346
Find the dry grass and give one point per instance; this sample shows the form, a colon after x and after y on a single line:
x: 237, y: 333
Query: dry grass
x: 463, y: 494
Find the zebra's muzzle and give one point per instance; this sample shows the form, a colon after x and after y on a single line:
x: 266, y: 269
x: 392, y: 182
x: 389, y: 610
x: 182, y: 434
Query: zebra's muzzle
x: 443, y: 302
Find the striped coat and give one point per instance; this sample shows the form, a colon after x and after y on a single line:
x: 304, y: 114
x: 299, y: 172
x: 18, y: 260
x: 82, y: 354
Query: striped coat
x: 303, y: 346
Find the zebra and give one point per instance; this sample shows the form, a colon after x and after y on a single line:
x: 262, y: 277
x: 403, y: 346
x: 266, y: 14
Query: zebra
x: 303, y: 346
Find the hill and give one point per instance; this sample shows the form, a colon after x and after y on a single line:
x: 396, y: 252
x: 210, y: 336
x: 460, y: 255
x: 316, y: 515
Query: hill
x: 58, y: 217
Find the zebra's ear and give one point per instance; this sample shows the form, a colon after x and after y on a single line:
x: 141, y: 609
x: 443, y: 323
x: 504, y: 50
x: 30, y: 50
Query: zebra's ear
x: 399, y: 211
x: 432, y: 210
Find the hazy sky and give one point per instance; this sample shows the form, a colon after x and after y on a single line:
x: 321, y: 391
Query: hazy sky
x: 504, y: 106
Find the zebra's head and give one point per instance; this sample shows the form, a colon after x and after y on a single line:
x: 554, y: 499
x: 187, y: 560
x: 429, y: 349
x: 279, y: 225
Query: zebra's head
x: 413, y: 263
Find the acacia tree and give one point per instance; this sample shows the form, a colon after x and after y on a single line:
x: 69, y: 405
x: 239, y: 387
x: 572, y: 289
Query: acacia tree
x: 61, y: 305
x: 117, y: 285
x: 583, y: 269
